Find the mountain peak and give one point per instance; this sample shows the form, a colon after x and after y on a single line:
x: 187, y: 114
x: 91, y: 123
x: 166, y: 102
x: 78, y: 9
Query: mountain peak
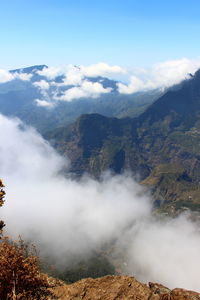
x: 30, y: 69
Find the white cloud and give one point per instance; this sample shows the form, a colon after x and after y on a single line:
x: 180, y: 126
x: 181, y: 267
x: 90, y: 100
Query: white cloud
x: 5, y: 76
x: 44, y: 103
x: 65, y: 216
x: 86, y: 89
x: 50, y: 72
x: 73, y: 75
x: 161, y: 75
x: 166, y: 251
x: 135, y: 85
x: 42, y: 84
x: 101, y: 69
x: 22, y: 76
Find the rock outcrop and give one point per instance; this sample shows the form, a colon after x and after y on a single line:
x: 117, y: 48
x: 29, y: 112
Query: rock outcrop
x: 120, y: 288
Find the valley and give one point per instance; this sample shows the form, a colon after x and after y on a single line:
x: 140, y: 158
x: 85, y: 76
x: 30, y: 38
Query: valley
x: 136, y: 176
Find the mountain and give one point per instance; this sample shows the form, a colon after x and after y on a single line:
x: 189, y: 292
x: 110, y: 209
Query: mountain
x: 19, y: 97
x: 29, y: 70
x: 85, y: 140
x: 161, y: 146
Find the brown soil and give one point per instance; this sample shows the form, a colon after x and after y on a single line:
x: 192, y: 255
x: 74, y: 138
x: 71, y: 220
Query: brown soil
x: 119, y: 288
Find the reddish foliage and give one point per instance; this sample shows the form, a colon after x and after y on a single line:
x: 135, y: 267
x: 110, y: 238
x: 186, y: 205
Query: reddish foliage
x: 20, y: 277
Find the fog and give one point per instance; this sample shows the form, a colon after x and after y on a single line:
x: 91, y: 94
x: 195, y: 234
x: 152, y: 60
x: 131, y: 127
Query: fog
x: 63, y: 216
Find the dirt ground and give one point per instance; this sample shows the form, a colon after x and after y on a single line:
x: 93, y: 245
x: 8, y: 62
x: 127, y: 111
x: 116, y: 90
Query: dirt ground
x: 119, y: 288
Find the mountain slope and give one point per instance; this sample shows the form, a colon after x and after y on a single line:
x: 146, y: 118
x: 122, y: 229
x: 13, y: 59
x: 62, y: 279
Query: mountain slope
x: 162, y: 145
x: 169, y: 140
x: 95, y: 143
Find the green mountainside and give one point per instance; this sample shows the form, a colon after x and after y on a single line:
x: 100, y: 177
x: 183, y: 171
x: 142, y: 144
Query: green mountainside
x: 161, y: 146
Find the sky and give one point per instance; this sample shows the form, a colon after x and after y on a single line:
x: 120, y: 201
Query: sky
x: 126, y: 33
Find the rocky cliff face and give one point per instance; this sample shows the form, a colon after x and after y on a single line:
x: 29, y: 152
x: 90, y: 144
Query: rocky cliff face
x: 120, y: 288
x: 162, y: 145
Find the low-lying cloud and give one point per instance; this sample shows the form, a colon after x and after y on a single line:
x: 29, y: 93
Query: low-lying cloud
x: 42, y: 84
x: 6, y: 76
x: 86, y: 89
x: 51, y: 72
x: 44, y: 103
x: 71, y: 82
x: 101, y: 69
x: 65, y: 216
x: 95, y: 70
x: 78, y: 81
x: 160, y: 75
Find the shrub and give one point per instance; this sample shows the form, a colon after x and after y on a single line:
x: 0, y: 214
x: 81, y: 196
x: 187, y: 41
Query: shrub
x: 20, y: 276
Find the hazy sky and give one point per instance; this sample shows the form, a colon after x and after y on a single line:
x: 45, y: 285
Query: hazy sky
x: 128, y: 32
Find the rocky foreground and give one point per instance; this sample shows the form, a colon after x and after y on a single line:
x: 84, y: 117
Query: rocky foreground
x: 120, y: 287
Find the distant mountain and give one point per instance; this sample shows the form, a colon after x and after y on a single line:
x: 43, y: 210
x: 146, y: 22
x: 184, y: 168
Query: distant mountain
x: 162, y: 145
x: 28, y: 70
x: 18, y: 98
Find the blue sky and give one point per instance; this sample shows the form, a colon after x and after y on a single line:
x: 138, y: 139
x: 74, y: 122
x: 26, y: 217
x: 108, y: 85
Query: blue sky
x: 126, y: 33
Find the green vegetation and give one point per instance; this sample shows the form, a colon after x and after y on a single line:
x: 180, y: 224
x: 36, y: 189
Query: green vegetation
x: 162, y: 145
x: 95, y: 266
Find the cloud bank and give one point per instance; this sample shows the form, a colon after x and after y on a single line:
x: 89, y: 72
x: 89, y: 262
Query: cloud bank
x: 68, y: 217
x: 76, y: 81
x: 42, y: 84
x: 161, y: 75
x: 86, y: 89
x: 101, y: 69
x: 6, y: 76
x: 95, y: 70
x: 50, y: 72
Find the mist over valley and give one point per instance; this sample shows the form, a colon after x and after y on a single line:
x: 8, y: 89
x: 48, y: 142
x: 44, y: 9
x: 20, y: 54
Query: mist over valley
x: 103, y: 187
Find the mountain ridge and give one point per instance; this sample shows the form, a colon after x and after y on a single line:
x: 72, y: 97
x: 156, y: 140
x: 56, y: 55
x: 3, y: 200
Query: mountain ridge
x: 27, y: 98
x: 29, y: 70
x: 162, y: 145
